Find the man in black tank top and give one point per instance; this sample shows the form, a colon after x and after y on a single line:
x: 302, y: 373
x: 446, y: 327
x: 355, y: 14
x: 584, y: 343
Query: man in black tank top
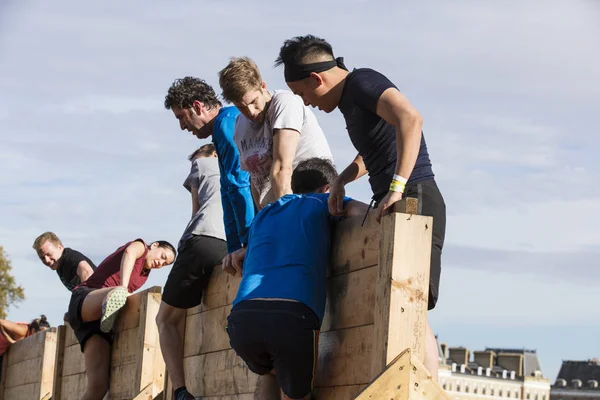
x: 71, y: 266
x: 386, y: 131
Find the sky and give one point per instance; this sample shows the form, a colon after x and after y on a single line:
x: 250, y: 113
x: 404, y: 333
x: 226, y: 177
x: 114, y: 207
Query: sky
x: 509, y: 92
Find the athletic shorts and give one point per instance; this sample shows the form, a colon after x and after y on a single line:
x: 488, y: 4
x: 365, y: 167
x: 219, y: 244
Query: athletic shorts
x: 280, y: 335
x: 84, y: 330
x: 192, y: 269
x: 431, y: 203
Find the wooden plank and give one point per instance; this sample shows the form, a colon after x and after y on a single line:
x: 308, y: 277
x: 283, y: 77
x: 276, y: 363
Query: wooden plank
x: 60, y: 358
x: 402, y: 288
x: 345, y: 356
x: 206, y: 332
x: 24, y: 372
x: 393, y: 383
x: 217, y: 374
x: 221, y: 291
x: 338, y: 392
x: 353, y: 246
x: 70, y: 338
x: 23, y: 392
x: 152, y: 366
x: 3, y: 376
x: 125, y: 348
x: 123, y: 379
x: 72, y: 387
x: 408, y: 205
x: 26, y: 349
x: 350, y: 300
x: 48, y: 363
x: 73, y: 361
x: 423, y: 386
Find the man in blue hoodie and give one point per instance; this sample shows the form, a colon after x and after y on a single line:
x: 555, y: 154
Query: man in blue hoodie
x: 199, y: 111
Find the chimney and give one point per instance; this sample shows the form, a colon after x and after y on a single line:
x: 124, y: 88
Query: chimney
x: 511, y: 362
x: 484, y: 358
x: 444, y: 347
x: 561, y: 382
x: 459, y: 355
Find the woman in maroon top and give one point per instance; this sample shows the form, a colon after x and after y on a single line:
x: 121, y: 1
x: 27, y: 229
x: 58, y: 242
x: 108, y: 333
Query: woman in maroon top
x: 96, y: 302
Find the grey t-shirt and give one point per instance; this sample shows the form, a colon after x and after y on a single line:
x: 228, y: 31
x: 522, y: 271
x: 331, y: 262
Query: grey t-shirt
x: 255, y: 140
x: 204, y: 177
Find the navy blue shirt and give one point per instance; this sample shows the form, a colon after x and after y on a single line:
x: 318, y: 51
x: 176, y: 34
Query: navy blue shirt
x: 371, y: 135
x: 288, y: 252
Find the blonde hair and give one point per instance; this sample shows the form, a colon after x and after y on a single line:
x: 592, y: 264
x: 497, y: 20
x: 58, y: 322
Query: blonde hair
x: 239, y: 77
x: 43, y: 238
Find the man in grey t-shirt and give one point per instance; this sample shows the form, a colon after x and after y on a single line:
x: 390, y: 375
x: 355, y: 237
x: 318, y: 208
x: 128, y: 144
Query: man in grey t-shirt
x: 275, y: 132
x: 202, y: 246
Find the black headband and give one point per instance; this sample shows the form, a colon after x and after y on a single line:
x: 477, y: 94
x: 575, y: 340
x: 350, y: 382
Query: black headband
x: 297, y: 72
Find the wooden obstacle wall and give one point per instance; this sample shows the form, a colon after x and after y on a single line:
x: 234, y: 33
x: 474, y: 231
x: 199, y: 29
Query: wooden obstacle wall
x: 137, y: 366
x: 28, y: 366
x: 377, y: 290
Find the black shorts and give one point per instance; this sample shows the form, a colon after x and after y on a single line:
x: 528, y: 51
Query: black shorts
x: 431, y: 204
x: 280, y: 335
x: 84, y: 330
x: 190, y: 273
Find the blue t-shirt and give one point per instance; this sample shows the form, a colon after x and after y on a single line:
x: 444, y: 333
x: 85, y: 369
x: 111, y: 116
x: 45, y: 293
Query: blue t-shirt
x: 288, y: 251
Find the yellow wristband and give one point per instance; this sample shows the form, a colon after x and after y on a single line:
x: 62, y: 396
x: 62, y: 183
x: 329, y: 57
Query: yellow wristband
x: 396, y: 186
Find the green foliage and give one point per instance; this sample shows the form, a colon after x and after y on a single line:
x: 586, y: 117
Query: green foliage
x: 10, y: 293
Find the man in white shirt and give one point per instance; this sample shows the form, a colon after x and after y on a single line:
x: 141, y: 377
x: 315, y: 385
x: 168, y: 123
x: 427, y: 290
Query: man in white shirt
x: 275, y: 132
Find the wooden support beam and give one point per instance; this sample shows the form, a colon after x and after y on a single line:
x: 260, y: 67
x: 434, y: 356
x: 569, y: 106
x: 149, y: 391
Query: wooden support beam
x: 402, y: 287
x: 405, y: 378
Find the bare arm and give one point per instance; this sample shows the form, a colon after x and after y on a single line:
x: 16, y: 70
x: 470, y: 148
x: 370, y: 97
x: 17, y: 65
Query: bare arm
x: 84, y: 271
x: 356, y: 208
x: 195, y: 204
x: 355, y: 170
x: 12, y: 331
x: 285, y: 142
x: 393, y: 107
x: 134, y: 251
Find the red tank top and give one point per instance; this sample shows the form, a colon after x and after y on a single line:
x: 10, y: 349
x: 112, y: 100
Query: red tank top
x: 108, y: 273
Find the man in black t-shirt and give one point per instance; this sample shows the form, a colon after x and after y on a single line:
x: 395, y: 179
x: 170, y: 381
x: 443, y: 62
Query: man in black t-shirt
x: 71, y: 266
x: 386, y: 131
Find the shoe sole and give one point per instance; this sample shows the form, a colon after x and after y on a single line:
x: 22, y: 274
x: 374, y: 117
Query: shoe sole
x: 115, y: 300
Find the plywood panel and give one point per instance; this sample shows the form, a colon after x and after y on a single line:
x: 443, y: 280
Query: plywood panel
x: 24, y: 372
x: 24, y: 392
x: 221, y: 291
x: 72, y: 387
x: 74, y: 362
x: 354, y: 246
x: 350, y: 300
x: 206, y: 331
x: 219, y: 373
x: 26, y: 349
x: 345, y: 356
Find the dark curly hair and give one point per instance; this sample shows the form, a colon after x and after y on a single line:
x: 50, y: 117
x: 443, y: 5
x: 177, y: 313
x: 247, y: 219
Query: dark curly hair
x: 183, y: 92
